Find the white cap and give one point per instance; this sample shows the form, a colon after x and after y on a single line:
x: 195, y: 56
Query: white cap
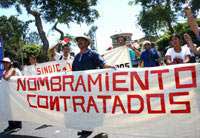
x: 84, y: 37
x: 146, y: 42
x: 6, y: 59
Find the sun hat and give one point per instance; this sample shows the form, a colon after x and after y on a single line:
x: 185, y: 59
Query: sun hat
x: 6, y: 59
x: 84, y: 37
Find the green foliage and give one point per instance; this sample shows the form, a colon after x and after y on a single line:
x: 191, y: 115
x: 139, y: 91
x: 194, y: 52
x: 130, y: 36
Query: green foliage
x: 163, y: 42
x: 195, y: 6
x: 12, y: 30
x: 32, y: 49
x: 61, y: 11
x: 160, y: 15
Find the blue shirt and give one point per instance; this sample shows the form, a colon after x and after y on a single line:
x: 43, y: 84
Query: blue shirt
x: 134, y: 60
x: 87, y: 61
x: 150, y: 58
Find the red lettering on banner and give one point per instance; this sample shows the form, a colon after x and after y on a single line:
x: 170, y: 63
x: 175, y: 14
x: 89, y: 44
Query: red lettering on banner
x: 57, y: 68
x: 193, y: 77
x: 160, y: 77
x: 118, y: 102
x: 162, y: 103
x: 141, y: 104
x: 38, y: 71
x: 98, y: 80
x: 104, y: 98
x: 34, y: 88
x: 117, y: 81
x: 80, y: 82
x: 107, y: 82
x: 134, y: 76
x: 80, y: 103
x: 57, y: 83
x: 91, y: 103
x: 42, y: 99
x: 54, y: 103
x: 21, y: 84
x: 45, y: 70
x: 29, y: 99
x: 65, y: 101
x: 68, y: 80
x: 43, y: 82
x: 173, y: 102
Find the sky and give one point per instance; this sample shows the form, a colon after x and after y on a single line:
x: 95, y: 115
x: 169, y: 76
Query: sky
x: 116, y: 16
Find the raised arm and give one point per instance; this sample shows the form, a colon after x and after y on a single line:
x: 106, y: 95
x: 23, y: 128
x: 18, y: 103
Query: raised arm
x: 192, y: 22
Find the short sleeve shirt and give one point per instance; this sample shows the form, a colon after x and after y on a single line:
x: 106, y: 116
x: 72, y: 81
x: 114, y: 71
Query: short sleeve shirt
x: 185, y: 51
x: 149, y: 57
x: 87, y: 61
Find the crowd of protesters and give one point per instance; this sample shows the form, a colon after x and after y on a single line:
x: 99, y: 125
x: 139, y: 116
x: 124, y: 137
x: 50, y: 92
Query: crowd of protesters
x: 145, y: 55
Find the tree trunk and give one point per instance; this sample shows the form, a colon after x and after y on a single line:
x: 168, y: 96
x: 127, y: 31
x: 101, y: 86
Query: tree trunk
x: 169, y: 18
x: 59, y: 31
x: 38, y: 23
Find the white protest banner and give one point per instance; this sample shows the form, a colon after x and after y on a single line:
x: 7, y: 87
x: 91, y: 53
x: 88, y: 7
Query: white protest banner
x: 48, y: 68
x: 118, y: 57
x: 144, y: 102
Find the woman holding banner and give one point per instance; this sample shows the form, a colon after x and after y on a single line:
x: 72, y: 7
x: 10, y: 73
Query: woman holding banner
x: 9, y: 71
x: 177, y: 54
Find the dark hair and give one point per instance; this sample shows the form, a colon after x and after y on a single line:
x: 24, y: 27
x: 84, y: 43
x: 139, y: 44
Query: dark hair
x: 32, y: 56
x: 16, y: 64
x: 121, y: 37
x: 175, y: 35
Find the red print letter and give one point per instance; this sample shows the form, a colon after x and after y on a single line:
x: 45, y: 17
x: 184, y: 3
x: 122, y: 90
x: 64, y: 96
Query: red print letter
x: 30, y: 98
x: 42, y: 102
x: 140, y: 104
x: 193, y: 84
x: 117, y: 81
x: 160, y: 78
x: 161, y: 104
x: 186, y: 103
x: 78, y: 101
x: 135, y: 76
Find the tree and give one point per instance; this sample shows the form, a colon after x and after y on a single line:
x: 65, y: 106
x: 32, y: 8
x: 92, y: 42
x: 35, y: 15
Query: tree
x: 33, y: 38
x: 160, y: 15
x: 63, y: 11
x: 92, y: 34
x: 31, y: 49
x: 12, y: 31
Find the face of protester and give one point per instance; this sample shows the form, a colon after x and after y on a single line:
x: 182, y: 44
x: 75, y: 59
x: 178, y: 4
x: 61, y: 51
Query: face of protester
x: 121, y: 41
x: 82, y: 43
x: 175, y: 41
x: 147, y: 46
x: 187, y: 37
x: 66, y: 50
x: 32, y: 60
x: 6, y: 65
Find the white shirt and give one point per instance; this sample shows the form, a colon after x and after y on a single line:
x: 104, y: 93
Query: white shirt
x: 185, y: 51
x: 192, y: 54
x: 60, y: 56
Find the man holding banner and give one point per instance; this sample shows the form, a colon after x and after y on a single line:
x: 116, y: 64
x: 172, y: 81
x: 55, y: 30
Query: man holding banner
x: 87, y: 59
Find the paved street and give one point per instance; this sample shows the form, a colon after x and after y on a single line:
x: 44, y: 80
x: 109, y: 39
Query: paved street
x: 29, y: 131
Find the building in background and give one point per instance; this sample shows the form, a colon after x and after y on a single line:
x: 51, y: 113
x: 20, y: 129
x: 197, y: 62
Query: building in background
x: 128, y: 37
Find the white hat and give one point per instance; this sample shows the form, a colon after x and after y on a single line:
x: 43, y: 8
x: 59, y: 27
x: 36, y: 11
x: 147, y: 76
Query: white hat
x: 6, y: 59
x: 146, y: 42
x: 84, y: 37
